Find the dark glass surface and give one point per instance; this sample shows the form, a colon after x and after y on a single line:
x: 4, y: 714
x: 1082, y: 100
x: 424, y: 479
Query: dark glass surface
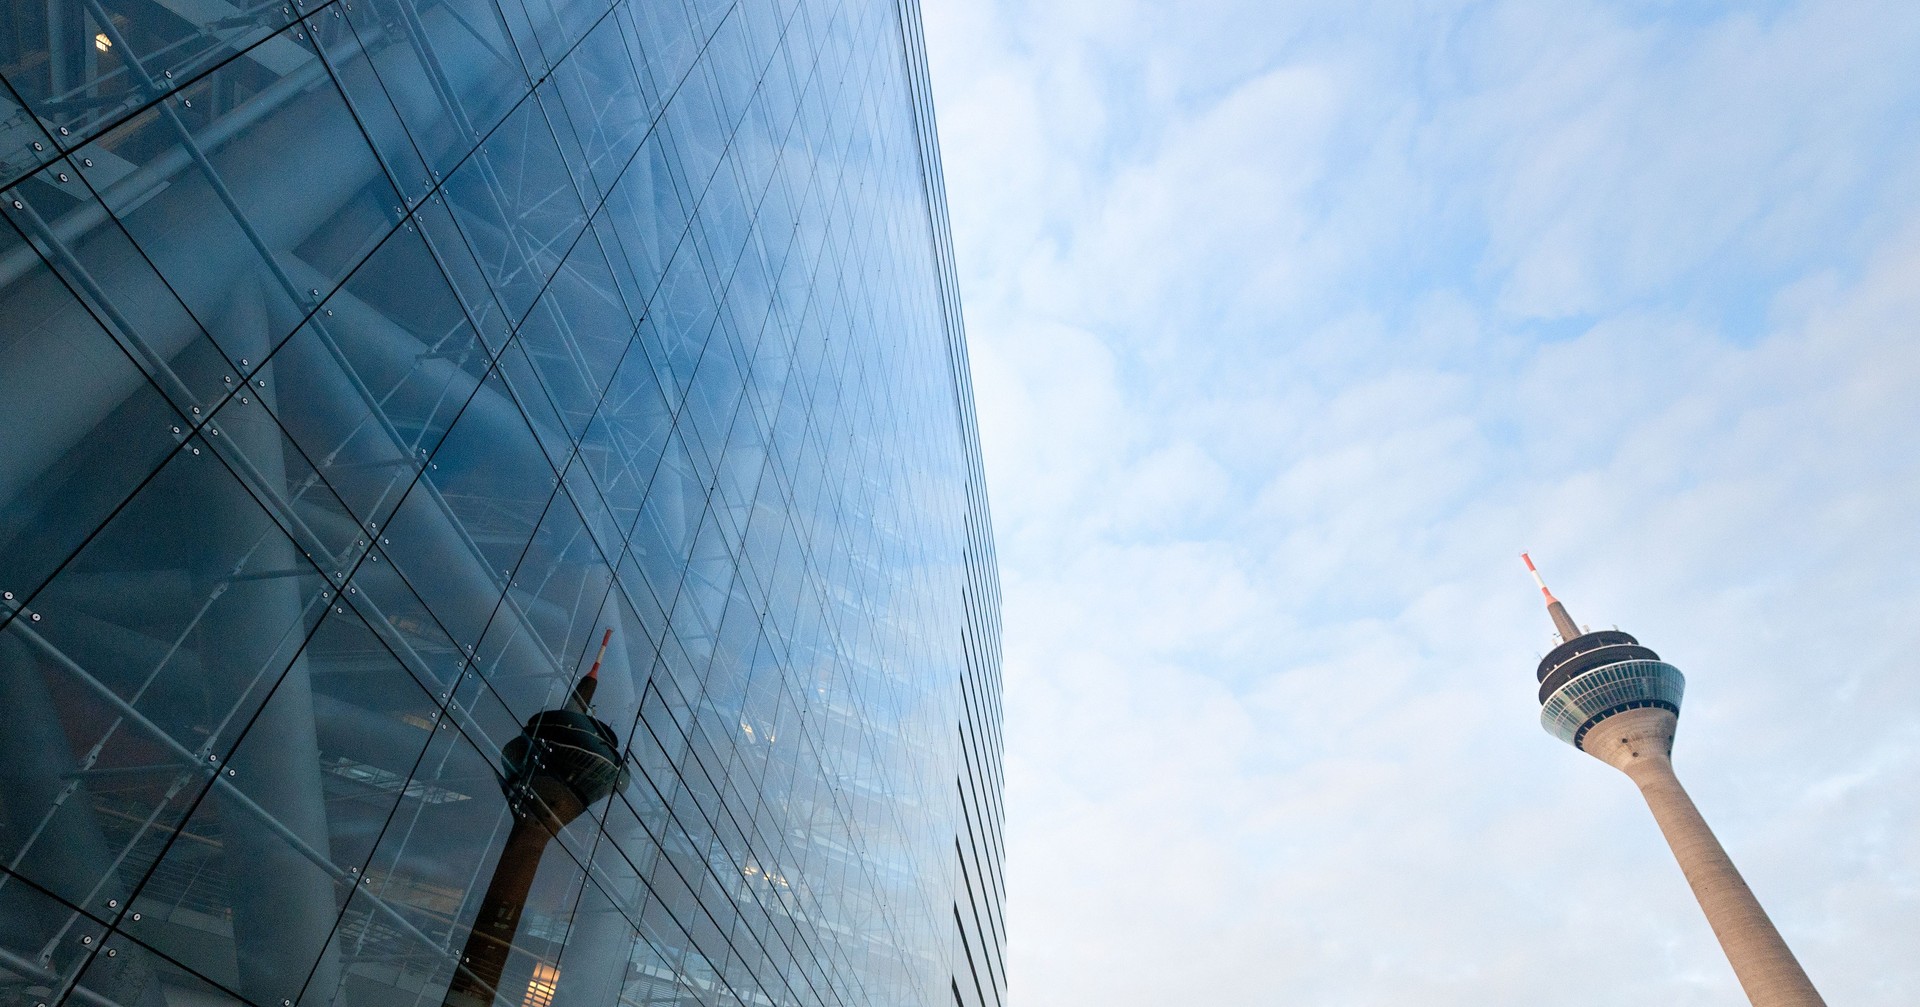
x: 363, y: 365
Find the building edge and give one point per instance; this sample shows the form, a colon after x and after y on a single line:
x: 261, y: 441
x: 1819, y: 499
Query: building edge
x: 979, y: 952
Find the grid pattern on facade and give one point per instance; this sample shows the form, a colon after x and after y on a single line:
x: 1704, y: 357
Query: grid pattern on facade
x: 364, y: 363
x: 1609, y: 689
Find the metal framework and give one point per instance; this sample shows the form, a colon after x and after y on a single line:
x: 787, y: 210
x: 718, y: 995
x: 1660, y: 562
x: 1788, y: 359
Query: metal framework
x: 234, y: 315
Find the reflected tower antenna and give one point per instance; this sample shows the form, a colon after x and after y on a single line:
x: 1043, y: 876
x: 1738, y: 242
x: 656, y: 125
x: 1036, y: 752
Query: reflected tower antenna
x: 563, y: 761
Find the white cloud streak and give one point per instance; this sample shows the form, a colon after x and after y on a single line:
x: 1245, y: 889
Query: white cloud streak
x: 1291, y: 324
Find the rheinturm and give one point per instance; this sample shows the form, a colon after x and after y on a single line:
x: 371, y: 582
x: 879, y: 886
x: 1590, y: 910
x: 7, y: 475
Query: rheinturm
x: 1614, y: 699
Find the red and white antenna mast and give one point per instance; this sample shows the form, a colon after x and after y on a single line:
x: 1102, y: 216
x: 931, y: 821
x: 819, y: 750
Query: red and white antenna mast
x: 1562, y: 622
x: 583, y: 690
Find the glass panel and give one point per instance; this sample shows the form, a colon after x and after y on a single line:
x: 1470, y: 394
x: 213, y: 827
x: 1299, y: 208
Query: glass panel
x: 526, y: 42
x: 352, y: 60
x: 47, y: 942
x: 128, y: 972
x: 749, y: 296
x: 82, y: 425
x: 293, y: 203
x: 77, y: 72
x: 531, y: 654
x: 448, y: 67
x: 577, y: 334
x: 607, y: 103
x: 714, y: 394
x: 706, y: 15
x: 647, y: 212
x: 664, y: 34
x: 354, y: 394
x: 703, y: 592
x: 585, y: 498
x: 567, y: 136
x: 518, y: 207
x: 631, y: 296
x: 192, y: 585
x: 734, y: 74
x: 699, y: 135
x: 764, y: 30
x: 250, y: 898
x: 592, y: 965
x: 455, y: 259
x: 91, y: 793
x: 68, y: 227
x: 560, y: 24
x: 622, y: 446
x: 663, y: 537
x: 433, y: 869
x: 24, y: 144
x: 639, y: 594
x: 387, y: 364
x: 520, y: 378
x: 372, y: 720
x: 461, y: 529
x: 681, y: 317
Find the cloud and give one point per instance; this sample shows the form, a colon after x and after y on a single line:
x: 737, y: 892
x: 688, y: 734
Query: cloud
x: 1291, y: 324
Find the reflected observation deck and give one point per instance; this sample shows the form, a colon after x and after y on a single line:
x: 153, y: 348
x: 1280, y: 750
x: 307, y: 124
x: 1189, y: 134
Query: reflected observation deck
x: 563, y: 762
x: 360, y: 364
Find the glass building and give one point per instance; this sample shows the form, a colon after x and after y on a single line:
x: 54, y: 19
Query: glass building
x: 490, y: 510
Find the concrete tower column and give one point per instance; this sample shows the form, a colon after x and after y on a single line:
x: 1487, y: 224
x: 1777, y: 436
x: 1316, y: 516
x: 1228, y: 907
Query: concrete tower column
x: 1614, y: 699
x: 1638, y: 743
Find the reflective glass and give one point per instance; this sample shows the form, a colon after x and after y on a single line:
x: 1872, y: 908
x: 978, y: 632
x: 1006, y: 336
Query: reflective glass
x: 608, y: 97
x: 483, y: 513
x: 67, y: 459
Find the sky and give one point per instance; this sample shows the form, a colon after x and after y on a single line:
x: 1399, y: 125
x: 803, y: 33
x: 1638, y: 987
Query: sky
x: 1292, y: 324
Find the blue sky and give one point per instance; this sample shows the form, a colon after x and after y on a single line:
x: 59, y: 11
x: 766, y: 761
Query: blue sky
x: 1292, y: 325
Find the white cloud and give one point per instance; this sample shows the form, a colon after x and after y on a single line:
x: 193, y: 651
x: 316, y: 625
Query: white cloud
x: 1291, y: 324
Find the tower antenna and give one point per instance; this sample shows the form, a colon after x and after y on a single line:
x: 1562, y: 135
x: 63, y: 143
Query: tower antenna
x: 1561, y: 620
x: 594, y: 672
x: 582, y: 699
x: 563, y: 762
x: 1615, y: 700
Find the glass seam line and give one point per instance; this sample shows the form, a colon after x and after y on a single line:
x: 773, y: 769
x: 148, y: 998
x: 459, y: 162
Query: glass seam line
x: 230, y: 791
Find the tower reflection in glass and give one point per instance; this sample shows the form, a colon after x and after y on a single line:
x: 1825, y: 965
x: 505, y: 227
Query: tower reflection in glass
x: 361, y: 363
x: 562, y: 762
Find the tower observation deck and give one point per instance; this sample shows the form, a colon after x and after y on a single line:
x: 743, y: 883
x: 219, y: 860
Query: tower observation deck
x: 1609, y: 696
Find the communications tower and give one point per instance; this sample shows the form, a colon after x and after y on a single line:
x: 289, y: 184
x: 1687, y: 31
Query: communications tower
x: 1608, y: 696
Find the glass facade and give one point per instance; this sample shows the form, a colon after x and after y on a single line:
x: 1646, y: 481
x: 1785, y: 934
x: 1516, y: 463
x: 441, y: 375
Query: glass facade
x: 1601, y: 692
x: 490, y: 510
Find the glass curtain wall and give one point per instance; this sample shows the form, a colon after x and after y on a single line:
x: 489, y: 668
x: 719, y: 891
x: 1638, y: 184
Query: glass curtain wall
x: 372, y: 374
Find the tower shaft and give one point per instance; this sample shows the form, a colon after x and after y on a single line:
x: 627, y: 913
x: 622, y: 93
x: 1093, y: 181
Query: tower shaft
x: 490, y: 942
x: 1765, y: 966
x: 1607, y: 695
x: 1637, y: 743
x: 563, y: 761
x: 1562, y: 622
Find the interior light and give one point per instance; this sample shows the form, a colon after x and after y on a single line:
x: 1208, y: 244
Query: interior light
x: 102, y: 42
x: 540, y: 989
